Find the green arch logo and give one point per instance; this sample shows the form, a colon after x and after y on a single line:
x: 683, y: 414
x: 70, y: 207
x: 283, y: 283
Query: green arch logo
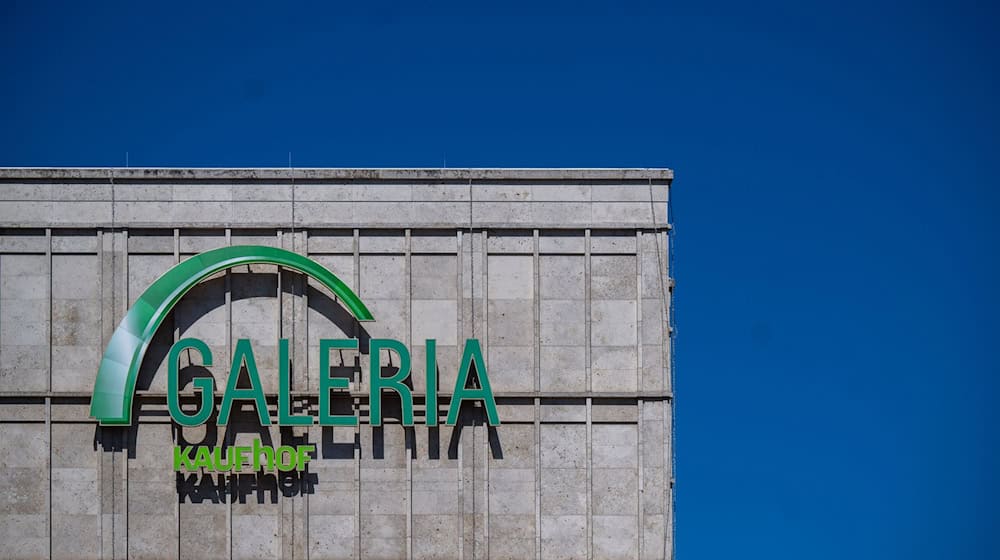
x: 111, y: 403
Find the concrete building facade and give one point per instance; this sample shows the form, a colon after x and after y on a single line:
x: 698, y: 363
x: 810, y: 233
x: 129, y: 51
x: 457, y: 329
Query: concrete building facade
x: 561, y: 274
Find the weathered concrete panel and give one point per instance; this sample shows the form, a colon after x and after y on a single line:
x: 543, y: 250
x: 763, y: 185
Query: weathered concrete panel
x: 24, y: 327
x: 331, y: 241
x: 563, y: 510
x: 76, y: 519
x: 24, y: 489
x: 385, y: 497
x: 74, y: 241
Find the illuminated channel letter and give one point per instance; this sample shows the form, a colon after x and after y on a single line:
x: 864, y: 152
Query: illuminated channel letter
x: 431, y: 402
x: 204, y: 385
x: 244, y: 355
x: 327, y: 383
x: 472, y: 355
x: 395, y: 383
x: 285, y: 416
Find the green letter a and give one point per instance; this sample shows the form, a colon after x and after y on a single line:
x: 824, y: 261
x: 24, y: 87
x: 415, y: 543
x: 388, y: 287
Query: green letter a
x: 244, y: 353
x: 472, y: 354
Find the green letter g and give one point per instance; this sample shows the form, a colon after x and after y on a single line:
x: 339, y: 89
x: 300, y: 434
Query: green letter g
x: 205, y: 385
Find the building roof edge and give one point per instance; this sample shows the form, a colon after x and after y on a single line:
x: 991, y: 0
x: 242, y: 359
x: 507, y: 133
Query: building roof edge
x: 337, y: 173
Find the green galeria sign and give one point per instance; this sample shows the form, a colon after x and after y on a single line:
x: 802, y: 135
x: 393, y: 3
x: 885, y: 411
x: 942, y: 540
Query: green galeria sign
x: 243, y: 358
x: 114, y: 388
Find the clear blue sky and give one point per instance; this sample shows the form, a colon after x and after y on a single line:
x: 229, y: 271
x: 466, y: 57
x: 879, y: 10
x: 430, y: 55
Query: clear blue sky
x: 835, y: 204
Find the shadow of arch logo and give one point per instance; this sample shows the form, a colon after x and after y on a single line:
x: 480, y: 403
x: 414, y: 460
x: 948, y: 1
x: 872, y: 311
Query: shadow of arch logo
x: 114, y: 388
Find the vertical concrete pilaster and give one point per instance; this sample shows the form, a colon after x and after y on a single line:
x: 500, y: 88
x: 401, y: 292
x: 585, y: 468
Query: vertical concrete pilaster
x: 356, y: 253
x: 409, y: 442
x: 285, y: 328
x: 49, y: 298
x: 537, y: 402
x: 590, y: 430
x: 229, y: 352
x: 122, y: 537
x: 112, y: 441
x: 590, y: 478
x: 484, y: 440
x: 640, y: 456
x: 48, y: 467
x: 462, y: 330
x: 48, y: 386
